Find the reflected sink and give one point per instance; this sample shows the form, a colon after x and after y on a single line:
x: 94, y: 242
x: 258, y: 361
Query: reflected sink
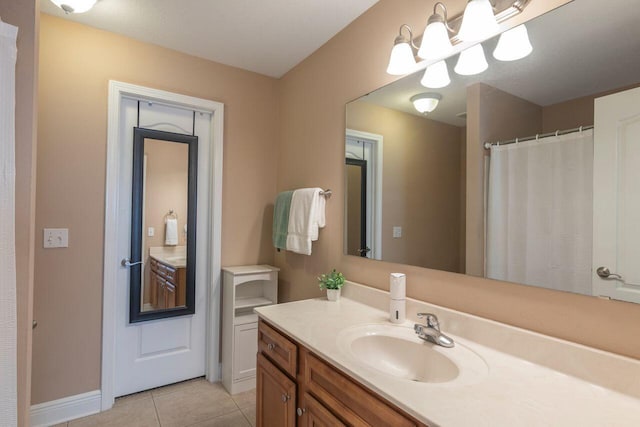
x: 396, y: 351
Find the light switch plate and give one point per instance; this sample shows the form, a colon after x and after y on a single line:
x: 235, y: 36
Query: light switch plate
x: 151, y: 232
x: 397, y: 232
x: 56, y: 238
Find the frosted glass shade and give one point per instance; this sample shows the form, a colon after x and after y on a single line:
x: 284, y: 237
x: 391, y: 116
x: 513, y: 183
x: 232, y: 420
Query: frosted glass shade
x: 513, y: 44
x: 426, y: 102
x: 436, y: 76
x: 401, y: 61
x: 435, y: 41
x: 471, y: 61
x: 74, y: 6
x: 478, y: 22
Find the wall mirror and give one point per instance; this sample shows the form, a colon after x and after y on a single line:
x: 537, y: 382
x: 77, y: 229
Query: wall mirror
x: 433, y: 195
x: 163, y: 226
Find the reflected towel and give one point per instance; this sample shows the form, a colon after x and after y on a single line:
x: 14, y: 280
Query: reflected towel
x: 306, y: 217
x: 281, y: 219
x: 171, y: 232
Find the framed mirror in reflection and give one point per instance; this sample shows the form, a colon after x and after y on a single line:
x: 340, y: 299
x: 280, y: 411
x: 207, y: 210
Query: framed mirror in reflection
x: 163, y: 225
x: 525, y: 212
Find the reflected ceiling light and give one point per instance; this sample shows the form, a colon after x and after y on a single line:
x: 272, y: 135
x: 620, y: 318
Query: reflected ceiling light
x: 478, y: 22
x: 435, y: 39
x: 513, y: 44
x: 74, y: 6
x: 471, y: 61
x: 436, y: 76
x: 402, y: 60
x: 426, y: 102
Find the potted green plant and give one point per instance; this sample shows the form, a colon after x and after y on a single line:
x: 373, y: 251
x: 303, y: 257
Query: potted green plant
x: 332, y: 282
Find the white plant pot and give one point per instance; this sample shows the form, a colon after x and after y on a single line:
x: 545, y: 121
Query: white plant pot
x: 333, y: 294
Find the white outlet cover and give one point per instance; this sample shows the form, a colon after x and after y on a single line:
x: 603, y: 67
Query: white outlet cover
x: 151, y: 232
x: 397, y: 232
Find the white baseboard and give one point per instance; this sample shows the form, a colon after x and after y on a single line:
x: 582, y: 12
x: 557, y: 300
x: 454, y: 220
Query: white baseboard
x: 65, y: 409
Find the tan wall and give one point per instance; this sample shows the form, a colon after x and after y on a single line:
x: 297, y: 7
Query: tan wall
x: 311, y: 152
x: 76, y: 63
x: 420, y: 185
x: 492, y: 115
x: 25, y: 15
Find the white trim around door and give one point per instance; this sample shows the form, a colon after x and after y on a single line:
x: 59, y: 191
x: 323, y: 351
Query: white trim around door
x: 118, y: 91
x: 374, y: 188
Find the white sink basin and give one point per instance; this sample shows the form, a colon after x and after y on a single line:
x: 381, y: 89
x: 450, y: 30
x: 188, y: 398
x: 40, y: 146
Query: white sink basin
x: 397, y: 352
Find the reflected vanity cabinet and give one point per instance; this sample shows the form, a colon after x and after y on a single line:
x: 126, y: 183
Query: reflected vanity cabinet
x: 295, y: 387
x: 243, y: 289
x: 168, y: 285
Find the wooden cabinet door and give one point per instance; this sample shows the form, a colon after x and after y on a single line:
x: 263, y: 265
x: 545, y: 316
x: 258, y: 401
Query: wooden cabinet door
x: 275, y: 396
x: 315, y: 415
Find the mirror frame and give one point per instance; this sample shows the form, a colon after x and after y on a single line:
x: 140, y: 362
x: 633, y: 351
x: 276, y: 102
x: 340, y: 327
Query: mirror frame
x: 136, y: 315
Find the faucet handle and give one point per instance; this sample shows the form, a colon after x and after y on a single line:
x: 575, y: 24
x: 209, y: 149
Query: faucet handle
x: 430, y: 319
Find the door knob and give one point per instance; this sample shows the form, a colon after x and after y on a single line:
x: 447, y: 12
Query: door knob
x: 604, y: 273
x: 126, y: 262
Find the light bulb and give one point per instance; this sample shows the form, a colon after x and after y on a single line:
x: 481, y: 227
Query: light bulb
x: 478, y: 22
x: 436, y: 76
x: 401, y: 60
x: 513, y: 44
x: 435, y: 40
x: 471, y: 61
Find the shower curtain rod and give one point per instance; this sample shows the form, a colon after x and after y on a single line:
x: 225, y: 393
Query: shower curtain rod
x: 487, y: 145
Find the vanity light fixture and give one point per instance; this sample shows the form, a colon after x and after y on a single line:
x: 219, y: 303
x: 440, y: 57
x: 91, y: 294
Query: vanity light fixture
x: 426, y: 102
x: 436, y: 76
x: 402, y: 60
x: 435, y: 39
x: 471, y: 61
x: 513, y: 44
x: 74, y: 6
x: 478, y: 22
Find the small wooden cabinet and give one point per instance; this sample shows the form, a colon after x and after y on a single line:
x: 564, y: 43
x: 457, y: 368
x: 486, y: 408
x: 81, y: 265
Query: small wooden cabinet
x: 243, y: 289
x: 168, y: 285
x: 322, y: 395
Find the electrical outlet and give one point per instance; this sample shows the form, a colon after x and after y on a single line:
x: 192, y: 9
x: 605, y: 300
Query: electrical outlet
x: 151, y: 232
x: 397, y: 232
x: 56, y: 238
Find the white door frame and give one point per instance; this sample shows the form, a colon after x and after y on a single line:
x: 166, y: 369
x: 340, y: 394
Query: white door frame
x: 118, y: 90
x: 374, y: 189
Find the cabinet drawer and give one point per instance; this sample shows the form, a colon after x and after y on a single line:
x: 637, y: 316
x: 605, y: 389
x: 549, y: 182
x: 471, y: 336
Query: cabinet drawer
x: 170, y: 274
x: 342, y: 396
x: 278, y: 348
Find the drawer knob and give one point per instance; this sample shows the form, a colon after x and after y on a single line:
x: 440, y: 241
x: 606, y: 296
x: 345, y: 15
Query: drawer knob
x: 300, y: 411
x: 285, y: 397
x: 271, y: 346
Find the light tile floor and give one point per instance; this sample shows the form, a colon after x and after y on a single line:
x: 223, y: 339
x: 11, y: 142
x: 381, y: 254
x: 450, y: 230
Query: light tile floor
x: 195, y: 402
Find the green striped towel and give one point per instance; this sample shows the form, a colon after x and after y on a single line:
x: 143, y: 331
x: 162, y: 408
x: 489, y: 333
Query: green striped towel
x: 281, y: 219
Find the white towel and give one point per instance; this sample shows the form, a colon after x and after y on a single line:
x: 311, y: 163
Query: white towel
x: 171, y: 232
x: 306, y: 216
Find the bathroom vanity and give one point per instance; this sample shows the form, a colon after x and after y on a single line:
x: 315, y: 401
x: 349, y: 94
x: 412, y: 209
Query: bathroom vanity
x: 167, y: 281
x: 343, y: 363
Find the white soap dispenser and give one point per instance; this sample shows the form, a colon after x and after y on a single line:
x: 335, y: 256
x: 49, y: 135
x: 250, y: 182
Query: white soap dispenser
x: 398, y: 294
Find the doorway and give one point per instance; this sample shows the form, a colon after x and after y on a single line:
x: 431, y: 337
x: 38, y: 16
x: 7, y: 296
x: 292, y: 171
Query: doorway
x: 143, y: 353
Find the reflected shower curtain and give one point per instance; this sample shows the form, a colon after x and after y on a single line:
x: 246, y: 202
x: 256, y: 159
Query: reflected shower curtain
x: 8, y: 379
x: 539, y: 212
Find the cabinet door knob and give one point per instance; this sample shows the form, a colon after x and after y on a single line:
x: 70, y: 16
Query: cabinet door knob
x: 285, y: 397
x: 300, y: 411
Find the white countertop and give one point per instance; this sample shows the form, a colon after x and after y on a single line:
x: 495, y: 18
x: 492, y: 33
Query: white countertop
x: 515, y: 392
x: 173, y: 256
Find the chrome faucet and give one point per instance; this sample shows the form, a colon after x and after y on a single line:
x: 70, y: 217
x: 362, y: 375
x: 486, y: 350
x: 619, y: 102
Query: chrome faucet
x: 431, y: 331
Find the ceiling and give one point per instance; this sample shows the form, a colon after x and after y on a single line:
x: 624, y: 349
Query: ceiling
x: 577, y: 50
x: 267, y: 37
